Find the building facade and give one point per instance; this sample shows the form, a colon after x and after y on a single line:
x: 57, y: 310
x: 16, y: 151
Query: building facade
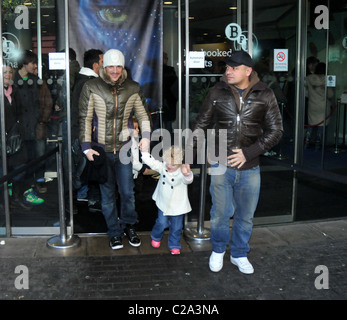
x: 303, y: 178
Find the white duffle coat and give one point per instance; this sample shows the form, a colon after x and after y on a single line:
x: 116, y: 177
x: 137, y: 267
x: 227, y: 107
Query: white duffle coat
x: 171, y: 193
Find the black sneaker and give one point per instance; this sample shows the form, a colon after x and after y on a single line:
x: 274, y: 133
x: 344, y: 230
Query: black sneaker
x: 134, y: 239
x: 116, y: 243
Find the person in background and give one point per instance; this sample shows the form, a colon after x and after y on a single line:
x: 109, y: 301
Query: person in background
x: 169, y: 94
x: 311, y: 63
x: 37, y: 105
x: 138, y: 166
x: 318, y: 103
x: 19, y: 197
x: 86, y: 191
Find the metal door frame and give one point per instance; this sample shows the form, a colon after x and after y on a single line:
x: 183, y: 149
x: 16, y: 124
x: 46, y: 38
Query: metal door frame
x: 19, y: 231
x: 299, y: 64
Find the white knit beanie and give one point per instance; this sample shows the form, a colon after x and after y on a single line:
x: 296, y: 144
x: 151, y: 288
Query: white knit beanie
x: 113, y: 57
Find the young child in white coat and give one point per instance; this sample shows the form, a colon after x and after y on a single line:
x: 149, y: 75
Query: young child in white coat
x: 170, y: 195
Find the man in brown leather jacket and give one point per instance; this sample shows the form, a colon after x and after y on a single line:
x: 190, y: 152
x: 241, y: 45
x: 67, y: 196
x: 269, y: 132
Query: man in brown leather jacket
x: 245, y: 121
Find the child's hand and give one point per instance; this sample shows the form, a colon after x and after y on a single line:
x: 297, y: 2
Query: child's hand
x: 144, y: 145
x: 186, y: 169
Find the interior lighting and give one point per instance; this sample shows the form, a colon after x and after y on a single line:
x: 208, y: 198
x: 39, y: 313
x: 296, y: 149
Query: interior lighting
x: 232, y: 8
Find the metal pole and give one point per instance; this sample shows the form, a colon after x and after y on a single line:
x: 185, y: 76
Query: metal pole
x: 61, y: 194
x: 337, y: 127
x: 344, y: 126
x: 3, y: 141
x: 250, y: 27
x: 200, y: 233
x: 62, y: 241
x: 68, y: 111
x: 39, y: 40
x: 186, y: 84
x: 179, y: 63
x: 187, y: 62
x: 280, y: 156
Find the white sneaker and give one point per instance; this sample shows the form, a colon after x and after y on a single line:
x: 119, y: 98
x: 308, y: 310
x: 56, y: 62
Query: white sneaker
x: 216, y: 261
x: 243, y: 264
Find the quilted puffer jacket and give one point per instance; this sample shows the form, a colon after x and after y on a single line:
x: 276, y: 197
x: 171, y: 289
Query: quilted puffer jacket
x: 252, y: 122
x: 104, y: 111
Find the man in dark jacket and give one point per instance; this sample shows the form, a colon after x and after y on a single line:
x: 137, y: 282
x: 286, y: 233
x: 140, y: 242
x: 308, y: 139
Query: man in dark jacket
x: 92, y: 62
x: 245, y: 121
x: 37, y: 103
x: 17, y: 152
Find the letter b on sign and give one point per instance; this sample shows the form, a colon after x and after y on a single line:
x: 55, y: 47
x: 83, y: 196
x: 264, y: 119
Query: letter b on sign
x: 322, y: 281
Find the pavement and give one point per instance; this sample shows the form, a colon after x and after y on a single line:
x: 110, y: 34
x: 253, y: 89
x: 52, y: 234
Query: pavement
x: 295, y: 261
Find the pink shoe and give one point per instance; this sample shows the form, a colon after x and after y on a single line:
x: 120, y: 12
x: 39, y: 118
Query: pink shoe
x: 175, y: 251
x: 155, y: 244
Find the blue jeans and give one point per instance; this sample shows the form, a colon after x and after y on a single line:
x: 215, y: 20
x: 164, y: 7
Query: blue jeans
x: 35, y: 149
x: 122, y: 175
x: 82, y: 192
x: 175, y: 223
x: 234, y: 194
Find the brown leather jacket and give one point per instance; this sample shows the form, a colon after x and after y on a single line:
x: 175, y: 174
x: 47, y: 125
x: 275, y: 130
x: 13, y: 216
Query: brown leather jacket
x: 252, y: 122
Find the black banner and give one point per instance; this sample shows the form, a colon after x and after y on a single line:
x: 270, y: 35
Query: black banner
x: 131, y: 26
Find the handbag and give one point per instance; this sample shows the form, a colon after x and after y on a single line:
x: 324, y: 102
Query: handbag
x: 13, y: 140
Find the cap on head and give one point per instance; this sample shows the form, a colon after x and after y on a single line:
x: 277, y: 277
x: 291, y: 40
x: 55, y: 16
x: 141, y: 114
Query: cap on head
x: 113, y: 57
x: 238, y: 58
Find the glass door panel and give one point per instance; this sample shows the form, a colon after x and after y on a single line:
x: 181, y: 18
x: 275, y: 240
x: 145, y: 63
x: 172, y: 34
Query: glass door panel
x: 274, y: 53
x: 219, y: 30
x: 324, y: 146
x: 30, y: 36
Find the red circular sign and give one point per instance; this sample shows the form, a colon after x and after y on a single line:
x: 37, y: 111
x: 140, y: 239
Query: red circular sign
x: 281, y: 56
